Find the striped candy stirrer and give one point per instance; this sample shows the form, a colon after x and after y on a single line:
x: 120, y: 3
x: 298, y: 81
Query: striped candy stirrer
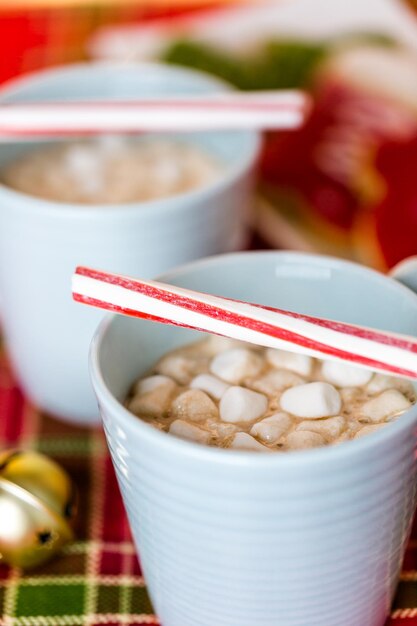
x: 266, y: 326
x: 231, y: 110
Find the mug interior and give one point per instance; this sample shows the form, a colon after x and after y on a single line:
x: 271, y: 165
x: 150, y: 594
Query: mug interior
x: 108, y: 81
x: 125, y: 348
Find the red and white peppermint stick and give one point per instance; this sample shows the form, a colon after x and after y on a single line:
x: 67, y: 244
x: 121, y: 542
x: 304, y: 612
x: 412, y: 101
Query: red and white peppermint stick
x: 233, y: 110
x: 275, y: 328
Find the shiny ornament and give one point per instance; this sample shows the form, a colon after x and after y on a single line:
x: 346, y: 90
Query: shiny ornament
x: 37, y: 507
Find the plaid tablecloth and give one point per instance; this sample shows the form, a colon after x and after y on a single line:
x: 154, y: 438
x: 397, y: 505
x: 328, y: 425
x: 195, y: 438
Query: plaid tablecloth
x: 97, y: 579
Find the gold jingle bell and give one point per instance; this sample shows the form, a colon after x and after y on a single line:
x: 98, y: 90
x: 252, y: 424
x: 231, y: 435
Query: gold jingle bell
x: 37, y: 507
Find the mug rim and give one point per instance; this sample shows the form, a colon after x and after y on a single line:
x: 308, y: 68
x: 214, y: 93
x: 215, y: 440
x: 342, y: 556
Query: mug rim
x: 234, y: 458
x: 242, y: 163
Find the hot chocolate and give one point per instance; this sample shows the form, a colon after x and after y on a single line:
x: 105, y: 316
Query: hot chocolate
x: 111, y: 170
x: 220, y: 392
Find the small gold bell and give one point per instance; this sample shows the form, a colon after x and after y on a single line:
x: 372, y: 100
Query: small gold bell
x: 37, y: 506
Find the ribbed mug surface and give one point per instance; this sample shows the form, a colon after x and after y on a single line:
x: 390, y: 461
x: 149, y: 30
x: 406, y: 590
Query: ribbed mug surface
x: 226, y: 538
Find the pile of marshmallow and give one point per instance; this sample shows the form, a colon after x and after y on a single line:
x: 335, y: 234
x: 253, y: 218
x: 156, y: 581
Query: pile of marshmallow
x: 224, y: 393
x: 111, y: 170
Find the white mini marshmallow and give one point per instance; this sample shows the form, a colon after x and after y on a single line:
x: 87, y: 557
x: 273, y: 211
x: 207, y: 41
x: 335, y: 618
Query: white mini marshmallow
x: 210, y: 384
x: 304, y: 439
x: 369, y: 429
x: 276, y: 381
x: 242, y: 405
x: 312, y: 400
x: 330, y: 427
x: 344, y: 374
x: 352, y: 428
x: 85, y: 164
x: 298, y: 363
x: 194, y: 405
x: 236, y: 364
x: 184, y: 430
x: 111, y: 144
x: 155, y: 403
x: 215, y: 344
x: 153, y: 382
x: 221, y: 431
x: 386, y: 405
x: 177, y: 367
x: 381, y: 382
x: 350, y: 395
x: 271, y: 429
x: 243, y: 441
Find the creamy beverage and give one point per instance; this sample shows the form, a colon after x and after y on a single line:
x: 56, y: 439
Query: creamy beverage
x: 111, y: 170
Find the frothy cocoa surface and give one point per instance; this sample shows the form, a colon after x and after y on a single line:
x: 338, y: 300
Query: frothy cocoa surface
x: 220, y: 392
x: 111, y: 170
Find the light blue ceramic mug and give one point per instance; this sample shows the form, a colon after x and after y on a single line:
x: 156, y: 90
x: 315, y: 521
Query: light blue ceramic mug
x: 308, y: 538
x: 42, y: 241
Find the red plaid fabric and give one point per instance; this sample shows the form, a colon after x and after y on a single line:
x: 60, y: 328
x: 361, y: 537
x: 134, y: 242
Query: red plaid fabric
x: 97, y: 578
